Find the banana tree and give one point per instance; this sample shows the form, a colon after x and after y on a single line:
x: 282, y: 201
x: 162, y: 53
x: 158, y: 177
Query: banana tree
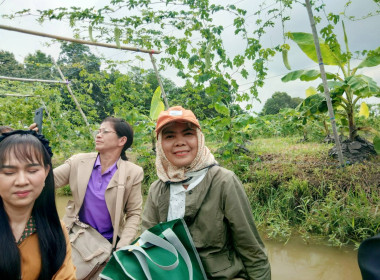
x: 346, y: 89
x: 314, y: 108
x: 156, y: 107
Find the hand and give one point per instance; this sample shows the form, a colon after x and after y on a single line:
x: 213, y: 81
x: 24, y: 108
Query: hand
x: 34, y: 127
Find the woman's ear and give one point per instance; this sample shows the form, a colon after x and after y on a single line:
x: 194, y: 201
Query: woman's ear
x: 123, y: 140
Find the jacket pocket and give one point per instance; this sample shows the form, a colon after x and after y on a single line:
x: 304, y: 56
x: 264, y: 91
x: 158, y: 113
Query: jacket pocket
x: 217, y: 262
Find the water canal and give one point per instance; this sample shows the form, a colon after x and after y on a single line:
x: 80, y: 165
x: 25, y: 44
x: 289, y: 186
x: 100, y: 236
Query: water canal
x: 297, y: 260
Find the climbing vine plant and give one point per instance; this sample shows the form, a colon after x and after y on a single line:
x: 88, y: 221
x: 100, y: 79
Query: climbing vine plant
x: 187, y: 34
x: 190, y: 36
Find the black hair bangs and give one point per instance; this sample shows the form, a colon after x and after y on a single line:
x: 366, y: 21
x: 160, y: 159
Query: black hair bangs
x: 22, y: 148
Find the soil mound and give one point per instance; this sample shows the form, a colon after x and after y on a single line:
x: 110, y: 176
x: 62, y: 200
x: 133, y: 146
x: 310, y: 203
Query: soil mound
x: 354, y: 151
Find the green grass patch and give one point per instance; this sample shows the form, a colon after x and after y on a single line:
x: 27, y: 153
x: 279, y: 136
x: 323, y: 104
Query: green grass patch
x: 295, y: 188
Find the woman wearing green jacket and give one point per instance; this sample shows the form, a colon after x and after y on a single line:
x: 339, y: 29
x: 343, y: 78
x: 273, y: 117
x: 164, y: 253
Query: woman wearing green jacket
x: 209, y: 198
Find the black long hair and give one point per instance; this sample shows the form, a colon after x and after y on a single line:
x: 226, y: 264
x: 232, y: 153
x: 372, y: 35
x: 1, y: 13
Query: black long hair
x: 122, y: 128
x: 51, y: 239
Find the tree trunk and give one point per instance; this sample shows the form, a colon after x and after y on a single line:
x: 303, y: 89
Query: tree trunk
x: 353, y: 132
x: 324, y: 81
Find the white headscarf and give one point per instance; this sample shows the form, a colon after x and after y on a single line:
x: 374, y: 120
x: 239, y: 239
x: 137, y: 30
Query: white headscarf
x: 166, y: 171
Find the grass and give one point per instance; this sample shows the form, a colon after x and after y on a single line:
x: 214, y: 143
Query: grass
x: 276, y: 145
x: 295, y: 188
x: 288, y: 149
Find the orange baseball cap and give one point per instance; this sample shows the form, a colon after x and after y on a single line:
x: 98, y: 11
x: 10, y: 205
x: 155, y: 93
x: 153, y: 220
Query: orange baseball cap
x: 175, y: 114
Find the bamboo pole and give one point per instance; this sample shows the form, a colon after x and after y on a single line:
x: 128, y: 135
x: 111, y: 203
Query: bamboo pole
x: 159, y: 82
x: 18, y: 95
x: 324, y: 80
x: 31, y: 32
x: 72, y: 95
x: 32, y: 80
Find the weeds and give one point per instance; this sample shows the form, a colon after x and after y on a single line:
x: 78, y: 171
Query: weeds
x: 309, y: 195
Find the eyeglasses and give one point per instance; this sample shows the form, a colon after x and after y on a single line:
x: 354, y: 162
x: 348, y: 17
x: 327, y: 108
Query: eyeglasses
x: 103, y: 131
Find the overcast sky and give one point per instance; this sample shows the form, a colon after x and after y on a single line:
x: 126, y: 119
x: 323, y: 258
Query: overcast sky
x: 362, y: 35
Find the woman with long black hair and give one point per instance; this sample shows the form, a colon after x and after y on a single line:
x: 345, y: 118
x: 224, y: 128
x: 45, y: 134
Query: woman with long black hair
x: 33, y: 242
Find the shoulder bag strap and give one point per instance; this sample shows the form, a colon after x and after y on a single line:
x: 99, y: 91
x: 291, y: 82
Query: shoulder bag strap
x: 119, y: 201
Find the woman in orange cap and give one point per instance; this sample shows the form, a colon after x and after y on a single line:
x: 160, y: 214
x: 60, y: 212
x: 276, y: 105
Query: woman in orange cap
x: 209, y: 198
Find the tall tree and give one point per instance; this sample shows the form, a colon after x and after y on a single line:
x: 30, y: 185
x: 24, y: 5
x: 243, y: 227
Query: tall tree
x: 39, y: 66
x: 9, y: 66
x: 146, y: 83
x: 82, y: 68
x: 278, y: 101
x: 77, y: 57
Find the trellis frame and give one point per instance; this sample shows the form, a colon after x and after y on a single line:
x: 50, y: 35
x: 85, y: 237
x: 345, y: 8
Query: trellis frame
x: 85, y: 42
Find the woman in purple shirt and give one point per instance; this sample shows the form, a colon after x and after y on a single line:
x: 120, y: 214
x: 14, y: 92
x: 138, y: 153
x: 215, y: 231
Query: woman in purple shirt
x: 93, y: 180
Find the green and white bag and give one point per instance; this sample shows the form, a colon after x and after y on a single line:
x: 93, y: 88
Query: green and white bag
x: 165, y: 251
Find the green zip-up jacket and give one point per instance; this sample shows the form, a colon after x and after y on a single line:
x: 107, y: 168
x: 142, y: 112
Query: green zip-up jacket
x: 220, y: 221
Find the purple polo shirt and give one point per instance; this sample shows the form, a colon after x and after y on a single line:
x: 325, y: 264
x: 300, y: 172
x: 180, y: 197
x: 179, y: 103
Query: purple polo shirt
x: 94, y: 210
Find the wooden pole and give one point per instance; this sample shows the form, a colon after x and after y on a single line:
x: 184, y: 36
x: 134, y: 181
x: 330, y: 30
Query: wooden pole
x: 72, y: 95
x: 18, y: 95
x: 159, y: 82
x: 31, y: 32
x: 32, y: 80
x: 324, y: 80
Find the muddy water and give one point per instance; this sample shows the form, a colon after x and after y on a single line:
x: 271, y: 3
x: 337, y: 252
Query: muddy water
x: 297, y: 260
x: 61, y: 202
